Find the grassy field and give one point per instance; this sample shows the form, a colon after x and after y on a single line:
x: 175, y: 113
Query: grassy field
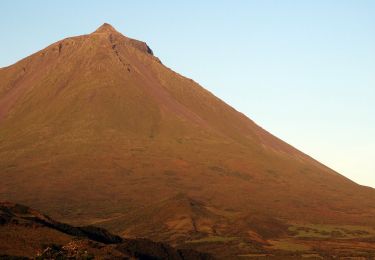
x: 331, y: 231
x: 287, y: 245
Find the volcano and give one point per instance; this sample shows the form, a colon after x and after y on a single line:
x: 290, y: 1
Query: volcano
x: 94, y: 129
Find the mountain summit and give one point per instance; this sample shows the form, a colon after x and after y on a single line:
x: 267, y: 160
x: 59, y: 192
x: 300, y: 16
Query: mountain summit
x: 95, y: 129
x: 105, y: 28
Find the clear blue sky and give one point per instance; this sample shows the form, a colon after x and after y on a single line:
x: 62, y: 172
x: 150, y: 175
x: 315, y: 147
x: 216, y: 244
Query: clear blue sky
x: 304, y: 70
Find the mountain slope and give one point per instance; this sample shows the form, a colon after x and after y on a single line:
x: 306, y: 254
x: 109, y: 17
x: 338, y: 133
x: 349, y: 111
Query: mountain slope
x: 95, y: 129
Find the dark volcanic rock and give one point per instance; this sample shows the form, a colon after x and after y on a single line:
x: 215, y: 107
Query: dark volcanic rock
x: 147, y: 249
x: 88, y: 242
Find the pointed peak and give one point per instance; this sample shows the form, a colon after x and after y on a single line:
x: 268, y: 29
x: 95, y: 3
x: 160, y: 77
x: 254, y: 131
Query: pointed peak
x: 105, y: 28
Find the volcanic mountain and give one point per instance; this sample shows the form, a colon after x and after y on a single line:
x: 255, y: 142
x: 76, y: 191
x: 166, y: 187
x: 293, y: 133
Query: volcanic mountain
x: 94, y: 129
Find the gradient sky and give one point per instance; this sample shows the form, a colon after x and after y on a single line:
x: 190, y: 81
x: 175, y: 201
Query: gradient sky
x: 303, y: 70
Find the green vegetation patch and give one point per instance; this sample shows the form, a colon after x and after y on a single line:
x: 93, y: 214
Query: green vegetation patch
x: 313, y: 255
x: 213, y: 239
x: 330, y: 231
x: 288, y: 245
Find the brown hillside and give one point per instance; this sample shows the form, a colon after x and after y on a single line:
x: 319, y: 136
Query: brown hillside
x: 95, y: 129
x: 27, y: 234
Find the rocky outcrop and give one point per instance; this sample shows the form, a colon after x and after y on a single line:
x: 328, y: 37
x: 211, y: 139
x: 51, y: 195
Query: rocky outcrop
x: 87, y: 242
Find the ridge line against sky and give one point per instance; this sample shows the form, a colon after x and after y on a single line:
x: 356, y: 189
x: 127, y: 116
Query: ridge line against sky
x: 303, y: 70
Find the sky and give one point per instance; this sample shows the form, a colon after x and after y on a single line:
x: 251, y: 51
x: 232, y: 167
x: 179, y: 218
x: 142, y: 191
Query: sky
x: 303, y: 70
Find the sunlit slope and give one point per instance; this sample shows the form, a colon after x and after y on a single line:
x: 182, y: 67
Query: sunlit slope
x: 95, y: 128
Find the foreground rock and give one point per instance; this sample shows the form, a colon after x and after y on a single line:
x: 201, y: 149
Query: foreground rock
x: 27, y: 234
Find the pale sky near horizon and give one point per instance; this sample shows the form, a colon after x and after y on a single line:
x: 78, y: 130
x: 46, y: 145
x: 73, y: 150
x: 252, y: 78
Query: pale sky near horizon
x: 303, y: 70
